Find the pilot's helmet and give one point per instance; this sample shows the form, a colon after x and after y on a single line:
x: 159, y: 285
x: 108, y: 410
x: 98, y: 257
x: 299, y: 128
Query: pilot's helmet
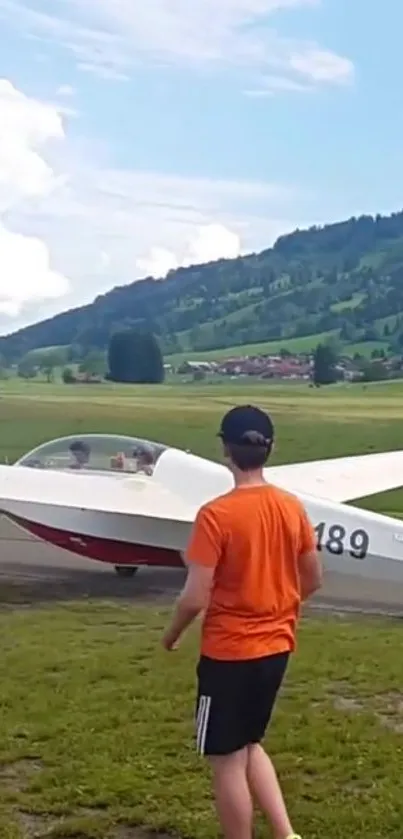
x: 144, y: 453
x: 80, y: 450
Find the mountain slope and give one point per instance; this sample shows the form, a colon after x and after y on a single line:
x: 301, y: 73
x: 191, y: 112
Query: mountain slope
x: 346, y: 276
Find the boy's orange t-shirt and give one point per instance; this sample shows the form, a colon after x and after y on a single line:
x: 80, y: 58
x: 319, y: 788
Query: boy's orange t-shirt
x: 253, y: 538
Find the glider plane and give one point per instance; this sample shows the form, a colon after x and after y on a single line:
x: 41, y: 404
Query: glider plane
x: 131, y: 502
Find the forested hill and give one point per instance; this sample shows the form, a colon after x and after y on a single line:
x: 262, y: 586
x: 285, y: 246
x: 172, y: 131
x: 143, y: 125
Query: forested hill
x: 346, y: 276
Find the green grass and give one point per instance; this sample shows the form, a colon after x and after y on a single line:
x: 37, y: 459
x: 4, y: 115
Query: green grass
x: 44, y: 351
x: 297, y: 345
x: 350, y: 304
x: 294, y: 345
x: 365, y: 348
x: 96, y: 720
x: 96, y: 728
x: 390, y: 320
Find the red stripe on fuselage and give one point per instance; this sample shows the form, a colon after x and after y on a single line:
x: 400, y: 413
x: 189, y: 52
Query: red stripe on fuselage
x: 104, y: 550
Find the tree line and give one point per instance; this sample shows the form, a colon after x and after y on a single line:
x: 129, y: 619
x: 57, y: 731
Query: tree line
x: 132, y: 357
x: 327, y: 369
x: 135, y: 358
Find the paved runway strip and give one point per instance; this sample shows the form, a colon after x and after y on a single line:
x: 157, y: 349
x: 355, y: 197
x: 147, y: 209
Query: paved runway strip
x: 31, y: 571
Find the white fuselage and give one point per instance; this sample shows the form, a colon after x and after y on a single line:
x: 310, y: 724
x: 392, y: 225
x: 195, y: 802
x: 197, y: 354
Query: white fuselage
x: 158, y: 512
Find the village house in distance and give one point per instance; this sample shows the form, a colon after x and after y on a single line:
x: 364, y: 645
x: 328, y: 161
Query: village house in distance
x: 288, y: 367
x: 297, y: 367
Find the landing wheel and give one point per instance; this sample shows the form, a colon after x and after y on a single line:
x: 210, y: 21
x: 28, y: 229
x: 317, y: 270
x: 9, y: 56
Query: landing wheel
x: 126, y: 570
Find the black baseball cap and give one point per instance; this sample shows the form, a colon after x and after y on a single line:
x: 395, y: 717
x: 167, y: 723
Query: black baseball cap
x: 247, y: 425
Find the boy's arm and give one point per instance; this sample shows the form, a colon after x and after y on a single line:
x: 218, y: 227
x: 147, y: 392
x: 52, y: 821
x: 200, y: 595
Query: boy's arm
x: 310, y: 566
x: 201, y: 558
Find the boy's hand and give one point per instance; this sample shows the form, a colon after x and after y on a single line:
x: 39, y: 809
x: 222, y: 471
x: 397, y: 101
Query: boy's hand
x: 170, y: 640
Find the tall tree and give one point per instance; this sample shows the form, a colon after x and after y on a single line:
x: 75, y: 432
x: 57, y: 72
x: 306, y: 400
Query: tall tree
x: 324, y: 361
x: 373, y: 371
x: 3, y: 368
x: 135, y: 357
x: 49, y: 361
x: 26, y: 369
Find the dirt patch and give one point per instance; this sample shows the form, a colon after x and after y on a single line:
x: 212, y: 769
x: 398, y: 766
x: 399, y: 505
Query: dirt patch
x: 16, y: 775
x: 33, y: 826
x: 82, y: 823
x: 387, y: 708
x: 337, y: 688
x: 392, y: 701
x: 391, y: 723
x: 347, y: 703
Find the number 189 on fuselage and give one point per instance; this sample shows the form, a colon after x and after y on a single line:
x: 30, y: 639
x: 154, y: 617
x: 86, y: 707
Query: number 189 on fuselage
x: 338, y: 540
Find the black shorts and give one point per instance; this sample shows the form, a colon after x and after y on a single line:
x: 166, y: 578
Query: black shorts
x: 235, y: 700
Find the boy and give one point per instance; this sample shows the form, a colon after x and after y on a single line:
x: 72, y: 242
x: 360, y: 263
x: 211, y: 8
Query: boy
x: 251, y: 560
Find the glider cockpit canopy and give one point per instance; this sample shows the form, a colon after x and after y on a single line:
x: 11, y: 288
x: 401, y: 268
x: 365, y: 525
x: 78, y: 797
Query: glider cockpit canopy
x: 100, y: 453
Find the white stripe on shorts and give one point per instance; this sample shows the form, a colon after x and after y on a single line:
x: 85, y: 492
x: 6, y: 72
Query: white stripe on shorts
x: 202, y: 720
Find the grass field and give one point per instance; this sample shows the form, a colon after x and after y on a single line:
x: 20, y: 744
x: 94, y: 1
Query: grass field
x: 96, y: 720
x: 306, y: 344
x: 96, y: 728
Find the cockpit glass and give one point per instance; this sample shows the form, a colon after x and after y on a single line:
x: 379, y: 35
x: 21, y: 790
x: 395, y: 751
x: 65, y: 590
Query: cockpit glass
x: 96, y: 453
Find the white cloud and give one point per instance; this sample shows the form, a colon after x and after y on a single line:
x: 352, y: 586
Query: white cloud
x: 25, y: 273
x: 103, y: 72
x: 321, y: 66
x: 125, y: 214
x: 158, y: 262
x: 311, y: 66
x: 111, y: 36
x: 270, y: 85
x: 26, y: 126
x: 109, y: 227
x: 214, y: 241
x: 210, y: 243
x: 65, y: 90
x: 67, y: 215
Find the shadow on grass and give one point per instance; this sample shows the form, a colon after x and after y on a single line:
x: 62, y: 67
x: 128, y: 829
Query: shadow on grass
x: 24, y: 586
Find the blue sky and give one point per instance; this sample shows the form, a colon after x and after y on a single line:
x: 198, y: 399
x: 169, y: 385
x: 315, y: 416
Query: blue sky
x: 177, y: 131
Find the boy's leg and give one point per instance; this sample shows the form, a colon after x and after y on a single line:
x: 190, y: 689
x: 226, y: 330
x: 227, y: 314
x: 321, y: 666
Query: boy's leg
x: 233, y: 800
x: 235, y: 702
x: 268, y: 674
x: 265, y: 788
x: 220, y: 737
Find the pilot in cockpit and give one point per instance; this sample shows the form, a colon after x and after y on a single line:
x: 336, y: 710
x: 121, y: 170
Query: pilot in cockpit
x: 81, y: 453
x: 144, y: 456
